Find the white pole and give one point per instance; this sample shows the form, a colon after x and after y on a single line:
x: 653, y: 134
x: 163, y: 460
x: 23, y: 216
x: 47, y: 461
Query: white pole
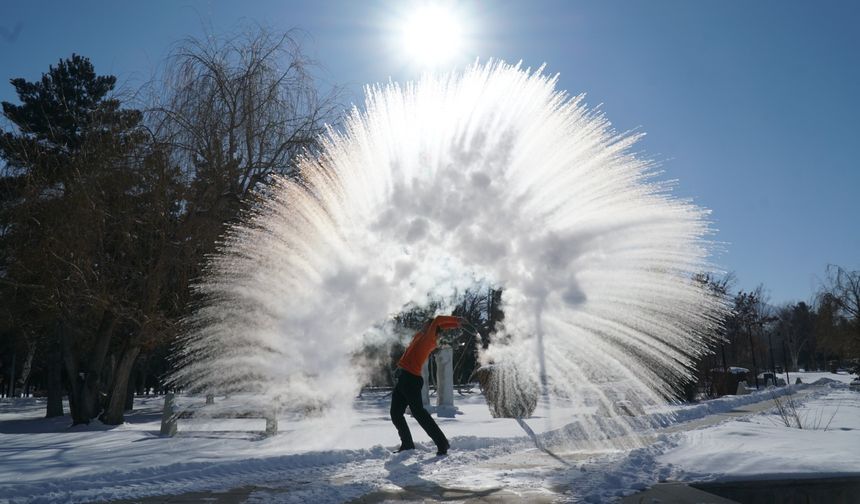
x: 168, y: 416
x: 445, y: 383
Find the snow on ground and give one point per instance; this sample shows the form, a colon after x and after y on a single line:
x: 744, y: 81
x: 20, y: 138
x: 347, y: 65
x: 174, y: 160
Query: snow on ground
x: 334, y: 460
x: 761, y: 446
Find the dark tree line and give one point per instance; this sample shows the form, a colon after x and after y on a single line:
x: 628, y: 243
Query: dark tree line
x: 822, y: 335
x: 108, y: 208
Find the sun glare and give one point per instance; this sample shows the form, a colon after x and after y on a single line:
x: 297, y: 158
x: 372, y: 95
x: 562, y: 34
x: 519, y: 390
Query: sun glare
x: 432, y: 35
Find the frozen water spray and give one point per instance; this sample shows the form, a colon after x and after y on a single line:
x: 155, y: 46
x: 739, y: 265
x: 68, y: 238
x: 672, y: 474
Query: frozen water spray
x: 493, y: 176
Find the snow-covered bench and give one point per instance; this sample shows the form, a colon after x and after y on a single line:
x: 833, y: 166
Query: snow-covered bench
x: 171, y: 414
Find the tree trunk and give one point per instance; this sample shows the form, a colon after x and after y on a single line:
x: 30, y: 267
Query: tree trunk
x: 28, y: 366
x: 106, y: 378
x: 11, y: 392
x: 55, y: 383
x: 114, y: 413
x: 70, y: 364
x: 129, y: 392
x: 71, y: 393
x: 84, y: 386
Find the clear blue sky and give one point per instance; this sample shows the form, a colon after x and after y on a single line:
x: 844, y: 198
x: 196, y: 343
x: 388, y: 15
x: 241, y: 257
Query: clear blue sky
x: 752, y: 106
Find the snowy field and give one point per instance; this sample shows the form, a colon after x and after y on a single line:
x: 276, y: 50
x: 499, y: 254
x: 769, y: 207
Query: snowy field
x: 348, y: 457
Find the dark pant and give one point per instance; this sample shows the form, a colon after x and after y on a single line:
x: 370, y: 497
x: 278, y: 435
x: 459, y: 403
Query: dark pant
x: 407, y: 392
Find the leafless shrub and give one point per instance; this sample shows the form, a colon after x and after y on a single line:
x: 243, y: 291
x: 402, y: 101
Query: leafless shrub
x: 787, y: 411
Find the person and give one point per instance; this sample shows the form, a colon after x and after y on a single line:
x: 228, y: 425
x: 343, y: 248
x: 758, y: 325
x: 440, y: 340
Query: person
x: 407, y: 390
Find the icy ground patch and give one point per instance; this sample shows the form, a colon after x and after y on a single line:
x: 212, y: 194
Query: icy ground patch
x: 334, y: 461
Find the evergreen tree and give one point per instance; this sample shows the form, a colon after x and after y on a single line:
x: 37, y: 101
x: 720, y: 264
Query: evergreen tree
x: 69, y: 189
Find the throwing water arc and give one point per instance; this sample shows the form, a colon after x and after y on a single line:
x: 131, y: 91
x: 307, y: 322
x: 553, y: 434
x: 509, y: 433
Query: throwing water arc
x: 487, y: 176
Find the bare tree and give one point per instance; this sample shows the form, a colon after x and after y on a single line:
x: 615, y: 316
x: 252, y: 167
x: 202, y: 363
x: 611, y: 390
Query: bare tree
x: 844, y: 285
x: 236, y: 110
x: 838, y: 304
x: 795, y: 332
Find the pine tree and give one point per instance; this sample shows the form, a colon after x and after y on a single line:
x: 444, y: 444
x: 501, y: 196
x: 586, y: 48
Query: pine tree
x: 66, y: 189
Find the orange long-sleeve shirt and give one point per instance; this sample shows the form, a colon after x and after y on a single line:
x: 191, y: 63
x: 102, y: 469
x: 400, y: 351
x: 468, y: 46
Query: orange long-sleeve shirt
x: 424, y: 342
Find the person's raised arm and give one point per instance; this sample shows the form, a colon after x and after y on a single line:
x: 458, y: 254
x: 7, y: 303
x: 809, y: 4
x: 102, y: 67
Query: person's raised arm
x: 447, y: 322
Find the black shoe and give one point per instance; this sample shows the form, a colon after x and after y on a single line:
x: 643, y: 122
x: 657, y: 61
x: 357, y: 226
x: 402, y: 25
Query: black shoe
x: 404, y: 448
x: 443, y: 449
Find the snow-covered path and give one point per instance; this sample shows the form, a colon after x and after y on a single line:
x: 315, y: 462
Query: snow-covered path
x: 730, y: 438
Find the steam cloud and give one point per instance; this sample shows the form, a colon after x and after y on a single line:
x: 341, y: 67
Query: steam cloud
x: 491, y: 175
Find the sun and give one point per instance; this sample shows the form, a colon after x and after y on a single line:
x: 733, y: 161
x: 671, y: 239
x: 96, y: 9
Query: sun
x: 431, y: 35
